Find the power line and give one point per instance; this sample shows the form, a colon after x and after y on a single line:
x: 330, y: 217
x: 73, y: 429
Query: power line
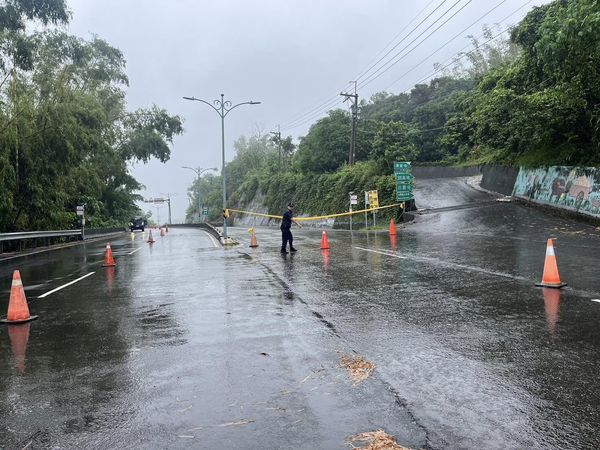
x: 459, y: 34
x: 316, y: 112
x: 452, y: 59
x: 364, y: 72
x: 374, y: 76
x: 326, y: 106
x: 301, y: 118
x: 395, y: 37
x: 311, y: 111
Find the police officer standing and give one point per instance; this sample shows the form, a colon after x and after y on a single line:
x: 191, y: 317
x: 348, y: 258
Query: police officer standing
x: 286, y: 232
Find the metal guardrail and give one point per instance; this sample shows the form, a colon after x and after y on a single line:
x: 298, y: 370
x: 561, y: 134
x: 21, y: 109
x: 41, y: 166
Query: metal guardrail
x: 19, y: 241
x: 21, y: 236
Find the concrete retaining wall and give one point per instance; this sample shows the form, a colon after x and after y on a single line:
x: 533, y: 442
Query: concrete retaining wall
x: 575, y: 189
x: 424, y: 172
x: 499, y: 179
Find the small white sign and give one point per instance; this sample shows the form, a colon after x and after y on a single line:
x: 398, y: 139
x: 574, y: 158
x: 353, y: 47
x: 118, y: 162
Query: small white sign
x: 79, y: 208
x: 354, y: 199
x: 80, y: 213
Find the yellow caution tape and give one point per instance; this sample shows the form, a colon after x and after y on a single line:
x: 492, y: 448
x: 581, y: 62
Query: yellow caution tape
x: 328, y: 216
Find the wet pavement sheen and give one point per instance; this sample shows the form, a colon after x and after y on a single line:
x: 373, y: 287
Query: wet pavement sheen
x: 184, y: 345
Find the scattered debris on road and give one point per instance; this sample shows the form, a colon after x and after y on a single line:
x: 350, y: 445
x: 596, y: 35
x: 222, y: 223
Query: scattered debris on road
x: 239, y: 422
x: 376, y: 440
x: 358, y: 367
x: 264, y: 353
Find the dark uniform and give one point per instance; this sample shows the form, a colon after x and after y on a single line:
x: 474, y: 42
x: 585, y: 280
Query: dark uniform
x: 286, y: 232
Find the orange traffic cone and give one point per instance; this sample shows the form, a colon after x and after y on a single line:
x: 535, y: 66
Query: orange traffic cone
x: 109, y: 261
x: 162, y: 232
x: 150, y: 238
x: 551, y: 278
x: 392, y: 228
x: 253, y: 241
x: 324, y: 241
x: 18, y: 311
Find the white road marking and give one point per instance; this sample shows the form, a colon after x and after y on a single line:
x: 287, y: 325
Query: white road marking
x: 136, y: 250
x: 597, y: 300
x: 212, y: 239
x: 66, y: 285
x: 381, y: 253
x: 436, y: 261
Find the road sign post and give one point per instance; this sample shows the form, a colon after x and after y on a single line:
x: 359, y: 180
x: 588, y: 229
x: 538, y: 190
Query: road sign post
x: 366, y: 207
x: 373, y: 198
x: 80, y: 211
x: 353, y: 201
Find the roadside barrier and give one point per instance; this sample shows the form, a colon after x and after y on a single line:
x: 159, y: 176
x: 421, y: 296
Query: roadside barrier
x: 18, y: 311
x: 150, y: 238
x: 550, y: 278
x: 324, y: 241
x: 109, y: 261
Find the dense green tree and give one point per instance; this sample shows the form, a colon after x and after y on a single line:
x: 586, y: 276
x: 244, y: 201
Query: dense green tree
x: 326, y: 146
x: 68, y: 138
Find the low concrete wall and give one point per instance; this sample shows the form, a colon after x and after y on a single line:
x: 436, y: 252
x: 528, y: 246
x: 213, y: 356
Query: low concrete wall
x: 424, y: 172
x: 575, y: 189
x: 499, y: 179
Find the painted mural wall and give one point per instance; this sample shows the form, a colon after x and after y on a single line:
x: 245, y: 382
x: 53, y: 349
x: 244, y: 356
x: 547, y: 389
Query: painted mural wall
x: 572, y: 188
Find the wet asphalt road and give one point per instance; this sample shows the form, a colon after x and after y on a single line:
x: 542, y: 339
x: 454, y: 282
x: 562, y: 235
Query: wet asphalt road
x: 165, y: 350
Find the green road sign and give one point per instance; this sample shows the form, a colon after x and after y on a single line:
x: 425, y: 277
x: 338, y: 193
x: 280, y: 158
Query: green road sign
x: 205, y: 210
x: 404, y: 177
x: 402, y: 167
x: 403, y: 197
x: 404, y: 181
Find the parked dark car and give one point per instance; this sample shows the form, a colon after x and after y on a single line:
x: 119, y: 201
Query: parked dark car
x: 137, y: 223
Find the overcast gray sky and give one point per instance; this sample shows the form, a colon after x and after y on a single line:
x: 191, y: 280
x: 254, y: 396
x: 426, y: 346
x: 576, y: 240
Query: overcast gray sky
x: 291, y: 55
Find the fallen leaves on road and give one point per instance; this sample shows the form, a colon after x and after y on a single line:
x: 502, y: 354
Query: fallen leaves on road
x: 376, y: 440
x: 239, y: 422
x: 358, y: 367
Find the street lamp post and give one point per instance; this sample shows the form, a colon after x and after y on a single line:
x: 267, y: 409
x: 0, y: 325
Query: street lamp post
x: 199, y: 171
x: 222, y: 107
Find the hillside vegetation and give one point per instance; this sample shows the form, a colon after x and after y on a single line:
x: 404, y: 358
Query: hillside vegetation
x: 533, y: 99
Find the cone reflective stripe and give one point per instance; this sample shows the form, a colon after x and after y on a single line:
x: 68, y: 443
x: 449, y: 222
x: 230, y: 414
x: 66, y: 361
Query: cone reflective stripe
x: 150, y: 238
x: 253, y: 241
x: 551, y: 277
x: 109, y: 261
x: 18, y: 311
x: 324, y: 241
x: 392, y: 228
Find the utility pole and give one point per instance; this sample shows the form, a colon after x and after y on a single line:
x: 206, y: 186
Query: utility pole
x: 354, y: 108
x: 278, y: 134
